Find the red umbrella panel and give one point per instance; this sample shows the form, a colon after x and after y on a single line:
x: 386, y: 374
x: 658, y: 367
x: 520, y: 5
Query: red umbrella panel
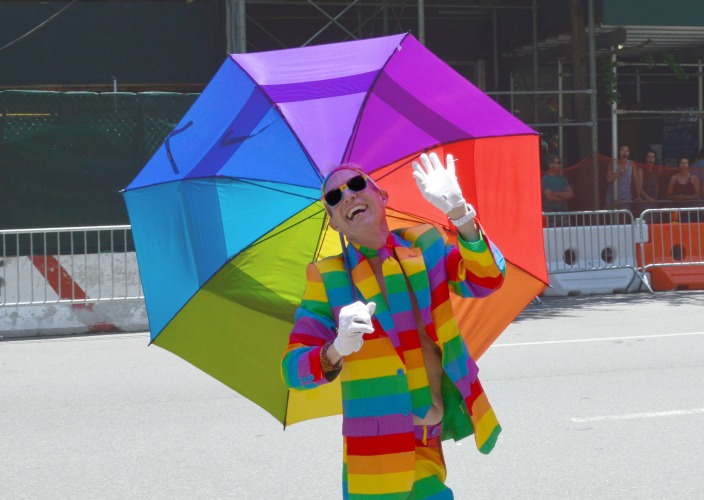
x: 496, y: 181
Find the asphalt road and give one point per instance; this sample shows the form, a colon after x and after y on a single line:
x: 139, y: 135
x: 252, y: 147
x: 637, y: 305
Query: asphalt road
x: 599, y: 397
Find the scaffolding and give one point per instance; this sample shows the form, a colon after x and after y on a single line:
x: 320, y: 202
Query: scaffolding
x: 376, y: 18
x: 697, y: 113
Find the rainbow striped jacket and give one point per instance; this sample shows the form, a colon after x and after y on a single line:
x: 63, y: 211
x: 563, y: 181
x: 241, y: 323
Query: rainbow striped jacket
x: 379, y: 443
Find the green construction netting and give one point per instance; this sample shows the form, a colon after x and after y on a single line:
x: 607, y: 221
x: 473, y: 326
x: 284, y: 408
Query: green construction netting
x: 65, y: 156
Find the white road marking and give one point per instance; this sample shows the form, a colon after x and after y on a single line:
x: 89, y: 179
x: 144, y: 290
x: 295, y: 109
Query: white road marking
x: 545, y: 342
x: 629, y: 416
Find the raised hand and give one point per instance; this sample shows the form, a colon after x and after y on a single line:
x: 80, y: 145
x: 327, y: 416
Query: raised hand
x: 438, y: 184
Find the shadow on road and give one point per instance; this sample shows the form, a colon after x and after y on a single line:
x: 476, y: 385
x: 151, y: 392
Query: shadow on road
x: 563, y: 306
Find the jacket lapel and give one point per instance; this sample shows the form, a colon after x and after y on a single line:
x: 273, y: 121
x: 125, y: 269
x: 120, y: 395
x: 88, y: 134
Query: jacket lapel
x: 368, y: 288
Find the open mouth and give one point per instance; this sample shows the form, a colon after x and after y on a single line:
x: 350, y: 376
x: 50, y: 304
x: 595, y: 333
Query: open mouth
x: 355, y: 211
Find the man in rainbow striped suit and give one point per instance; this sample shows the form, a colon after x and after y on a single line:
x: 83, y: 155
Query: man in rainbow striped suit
x: 408, y: 381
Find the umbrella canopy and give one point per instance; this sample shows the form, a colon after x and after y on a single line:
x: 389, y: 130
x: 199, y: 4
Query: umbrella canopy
x: 227, y: 213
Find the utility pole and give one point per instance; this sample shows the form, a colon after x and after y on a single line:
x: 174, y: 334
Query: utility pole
x: 581, y: 104
x: 235, y: 26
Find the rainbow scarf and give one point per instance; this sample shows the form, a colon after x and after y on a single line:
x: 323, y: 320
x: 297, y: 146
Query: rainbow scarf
x: 405, y: 336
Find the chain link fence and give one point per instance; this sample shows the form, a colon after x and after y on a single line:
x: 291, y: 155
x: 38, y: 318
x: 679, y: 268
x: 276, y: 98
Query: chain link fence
x: 65, y: 156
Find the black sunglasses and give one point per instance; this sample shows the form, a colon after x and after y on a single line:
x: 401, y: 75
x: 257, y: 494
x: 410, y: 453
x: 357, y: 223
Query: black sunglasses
x: 355, y: 184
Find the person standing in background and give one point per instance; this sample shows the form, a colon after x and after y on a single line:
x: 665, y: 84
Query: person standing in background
x: 620, y: 175
x: 647, y: 180
x: 684, y: 189
x: 556, y: 191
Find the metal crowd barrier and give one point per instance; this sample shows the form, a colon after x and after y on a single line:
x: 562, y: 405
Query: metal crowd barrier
x: 89, y: 264
x: 68, y: 265
x: 585, y: 241
x: 676, y: 238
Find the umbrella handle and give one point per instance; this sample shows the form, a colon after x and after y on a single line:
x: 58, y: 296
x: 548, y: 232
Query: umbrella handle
x: 346, y: 259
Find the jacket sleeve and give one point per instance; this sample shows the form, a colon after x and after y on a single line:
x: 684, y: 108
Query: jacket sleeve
x: 314, y: 326
x: 475, y: 268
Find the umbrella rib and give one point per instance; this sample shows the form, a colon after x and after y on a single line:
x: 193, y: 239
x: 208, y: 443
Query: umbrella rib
x: 278, y: 190
x: 276, y: 107
x: 254, y: 182
x: 355, y: 129
x: 262, y: 240
x: 323, y: 233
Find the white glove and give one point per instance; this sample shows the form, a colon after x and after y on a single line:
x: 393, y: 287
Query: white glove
x: 438, y: 185
x: 355, y: 320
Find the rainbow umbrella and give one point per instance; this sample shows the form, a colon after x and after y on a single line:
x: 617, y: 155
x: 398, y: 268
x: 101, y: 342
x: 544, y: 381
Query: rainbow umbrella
x: 226, y: 214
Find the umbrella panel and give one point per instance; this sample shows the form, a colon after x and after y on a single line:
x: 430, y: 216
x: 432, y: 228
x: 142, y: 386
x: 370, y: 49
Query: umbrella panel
x: 249, y: 363
x: 418, y: 101
x: 185, y: 231
x: 481, y: 319
x: 232, y: 130
x: 505, y: 196
x: 236, y: 326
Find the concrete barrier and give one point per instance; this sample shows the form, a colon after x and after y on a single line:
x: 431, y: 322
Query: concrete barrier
x: 594, y: 259
x: 59, y: 295
x: 674, y: 254
x: 618, y: 280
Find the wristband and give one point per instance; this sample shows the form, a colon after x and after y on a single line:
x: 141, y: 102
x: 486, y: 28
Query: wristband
x: 471, y: 214
x: 324, y: 363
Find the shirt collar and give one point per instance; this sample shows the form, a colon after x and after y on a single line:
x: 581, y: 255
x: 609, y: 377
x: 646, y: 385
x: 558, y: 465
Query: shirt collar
x: 384, y: 252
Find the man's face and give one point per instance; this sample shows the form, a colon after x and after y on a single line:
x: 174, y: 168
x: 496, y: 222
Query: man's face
x: 555, y: 165
x: 358, y: 214
x: 650, y: 158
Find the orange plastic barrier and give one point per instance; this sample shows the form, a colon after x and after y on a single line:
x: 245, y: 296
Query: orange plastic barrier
x: 674, y: 244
